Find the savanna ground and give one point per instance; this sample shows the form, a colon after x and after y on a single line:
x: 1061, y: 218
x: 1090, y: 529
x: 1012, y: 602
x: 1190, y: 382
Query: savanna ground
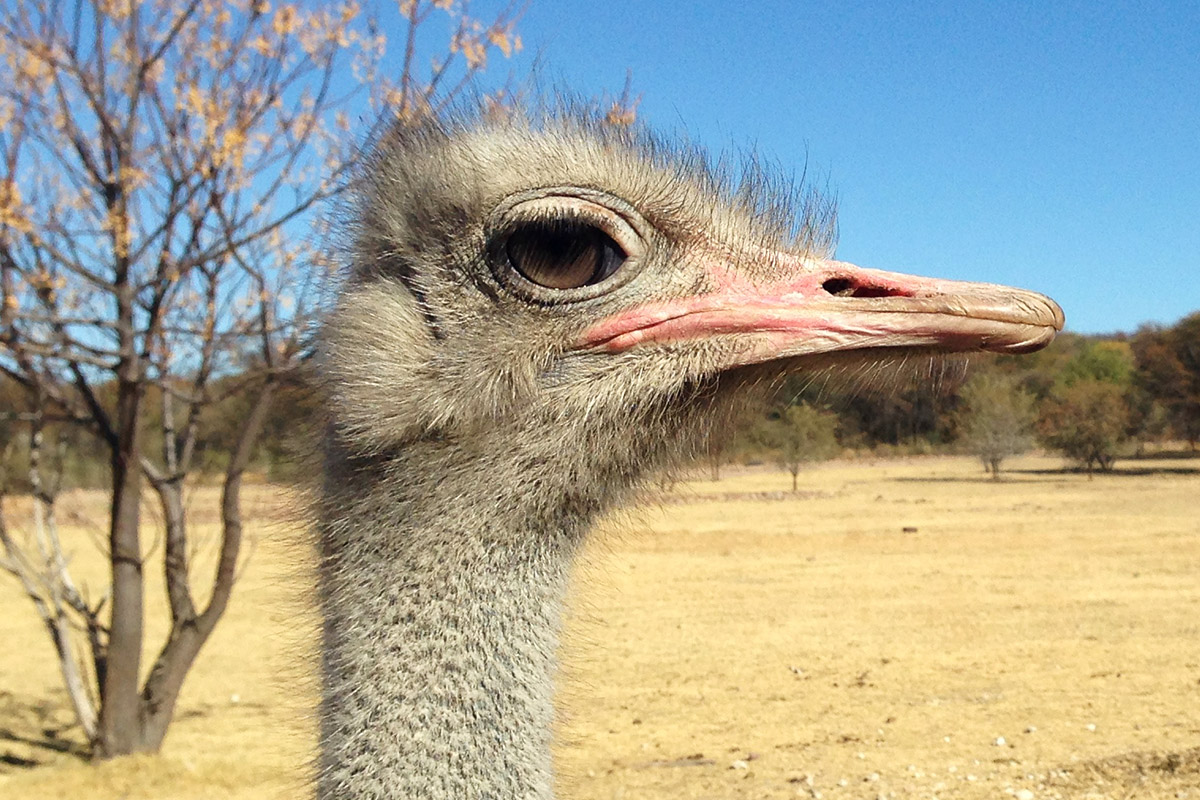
x: 903, y: 629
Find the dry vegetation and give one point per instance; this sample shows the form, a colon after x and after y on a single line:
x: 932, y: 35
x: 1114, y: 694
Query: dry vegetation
x: 1034, y: 635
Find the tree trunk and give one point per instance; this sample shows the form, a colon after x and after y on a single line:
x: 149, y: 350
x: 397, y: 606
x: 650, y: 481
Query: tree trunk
x: 166, y: 680
x: 189, y: 631
x: 119, y: 701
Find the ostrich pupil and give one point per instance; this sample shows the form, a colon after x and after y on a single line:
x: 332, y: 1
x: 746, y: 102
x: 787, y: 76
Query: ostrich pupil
x: 563, y: 255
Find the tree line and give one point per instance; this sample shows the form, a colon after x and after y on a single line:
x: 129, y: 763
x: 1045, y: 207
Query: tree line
x: 1092, y: 399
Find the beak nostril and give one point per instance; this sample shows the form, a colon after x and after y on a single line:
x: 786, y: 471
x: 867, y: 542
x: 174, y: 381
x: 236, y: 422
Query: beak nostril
x: 846, y: 287
x: 841, y: 287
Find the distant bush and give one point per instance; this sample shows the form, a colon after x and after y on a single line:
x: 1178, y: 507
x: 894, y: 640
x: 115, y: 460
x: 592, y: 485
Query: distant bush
x: 1086, y: 422
x: 796, y: 434
x: 996, y: 418
x: 1168, y: 371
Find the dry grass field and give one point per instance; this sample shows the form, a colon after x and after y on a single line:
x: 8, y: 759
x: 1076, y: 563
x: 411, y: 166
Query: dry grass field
x: 903, y: 629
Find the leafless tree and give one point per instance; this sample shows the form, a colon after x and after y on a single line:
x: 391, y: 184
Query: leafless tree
x: 162, y: 168
x: 996, y: 419
x: 798, y: 434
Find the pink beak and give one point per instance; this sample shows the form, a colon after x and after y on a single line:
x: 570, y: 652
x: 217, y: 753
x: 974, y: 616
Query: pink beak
x: 832, y: 306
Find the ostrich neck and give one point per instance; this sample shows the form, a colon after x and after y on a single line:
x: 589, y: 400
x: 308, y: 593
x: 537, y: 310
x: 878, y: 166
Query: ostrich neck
x: 442, y: 604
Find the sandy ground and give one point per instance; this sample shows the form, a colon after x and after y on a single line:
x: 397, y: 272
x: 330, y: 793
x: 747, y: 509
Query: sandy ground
x: 902, y: 629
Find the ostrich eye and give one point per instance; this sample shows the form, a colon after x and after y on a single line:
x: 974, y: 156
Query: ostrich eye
x: 563, y: 254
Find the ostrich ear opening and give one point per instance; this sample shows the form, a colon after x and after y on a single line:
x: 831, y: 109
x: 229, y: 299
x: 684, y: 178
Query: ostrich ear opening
x: 377, y: 355
x: 390, y: 380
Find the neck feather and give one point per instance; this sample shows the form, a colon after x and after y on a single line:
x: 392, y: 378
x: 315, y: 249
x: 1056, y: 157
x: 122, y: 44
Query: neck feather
x: 440, y: 631
x: 444, y: 568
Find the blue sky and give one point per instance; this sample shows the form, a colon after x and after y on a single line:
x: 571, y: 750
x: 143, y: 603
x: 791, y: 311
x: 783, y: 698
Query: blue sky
x: 1050, y: 145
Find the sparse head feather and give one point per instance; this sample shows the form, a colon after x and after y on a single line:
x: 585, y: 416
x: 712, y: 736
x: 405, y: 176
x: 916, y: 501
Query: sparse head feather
x: 445, y: 170
x: 425, y: 338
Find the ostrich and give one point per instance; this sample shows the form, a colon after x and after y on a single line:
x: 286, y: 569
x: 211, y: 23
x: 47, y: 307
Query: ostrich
x: 541, y: 308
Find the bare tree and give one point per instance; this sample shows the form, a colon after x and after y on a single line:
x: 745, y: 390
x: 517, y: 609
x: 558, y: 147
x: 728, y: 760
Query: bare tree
x: 798, y: 434
x: 41, y: 566
x: 997, y: 418
x: 162, y: 166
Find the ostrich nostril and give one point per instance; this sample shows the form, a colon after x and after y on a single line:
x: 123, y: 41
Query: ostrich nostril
x: 845, y: 287
x: 841, y: 287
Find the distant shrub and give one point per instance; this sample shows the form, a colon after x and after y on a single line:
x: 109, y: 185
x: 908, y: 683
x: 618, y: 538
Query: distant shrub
x: 996, y: 418
x: 799, y: 433
x: 1087, y: 422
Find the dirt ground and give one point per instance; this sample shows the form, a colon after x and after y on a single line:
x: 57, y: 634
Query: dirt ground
x: 899, y: 629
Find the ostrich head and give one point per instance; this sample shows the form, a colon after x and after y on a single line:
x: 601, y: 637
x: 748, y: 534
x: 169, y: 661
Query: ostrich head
x: 559, y: 281
x: 539, y: 311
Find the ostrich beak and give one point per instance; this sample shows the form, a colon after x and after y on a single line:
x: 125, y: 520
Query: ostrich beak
x: 832, y: 306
